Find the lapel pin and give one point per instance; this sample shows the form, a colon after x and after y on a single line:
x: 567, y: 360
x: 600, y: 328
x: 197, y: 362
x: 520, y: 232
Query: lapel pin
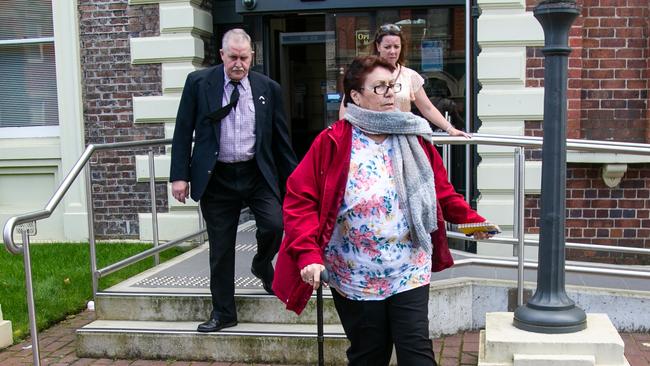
x: 262, y: 99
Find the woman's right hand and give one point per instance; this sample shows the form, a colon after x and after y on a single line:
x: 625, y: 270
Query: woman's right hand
x: 311, y: 274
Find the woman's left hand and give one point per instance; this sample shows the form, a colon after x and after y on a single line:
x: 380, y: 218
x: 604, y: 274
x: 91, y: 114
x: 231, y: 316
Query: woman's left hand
x: 482, y: 235
x: 453, y: 131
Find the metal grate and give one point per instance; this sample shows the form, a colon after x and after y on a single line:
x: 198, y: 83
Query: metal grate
x: 175, y: 281
x: 248, y: 282
x: 246, y: 247
x: 194, y: 282
x: 250, y: 229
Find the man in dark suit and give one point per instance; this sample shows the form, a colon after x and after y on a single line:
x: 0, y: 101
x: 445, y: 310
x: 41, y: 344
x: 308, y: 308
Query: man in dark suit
x: 241, y: 155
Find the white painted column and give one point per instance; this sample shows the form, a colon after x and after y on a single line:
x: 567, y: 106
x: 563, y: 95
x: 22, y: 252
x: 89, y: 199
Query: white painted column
x: 180, y: 50
x: 6, y: 335
x: 505, y: 28
x: 72, y: 142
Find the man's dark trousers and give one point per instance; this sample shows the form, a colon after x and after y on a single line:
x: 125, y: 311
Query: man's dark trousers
x: 230, y: 187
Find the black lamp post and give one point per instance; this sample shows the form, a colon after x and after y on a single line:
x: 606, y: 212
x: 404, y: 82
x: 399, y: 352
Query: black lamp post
x: 550, y: 310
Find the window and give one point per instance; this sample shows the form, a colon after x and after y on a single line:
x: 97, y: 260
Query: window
x: 435, y: 48
x: 27, y: 65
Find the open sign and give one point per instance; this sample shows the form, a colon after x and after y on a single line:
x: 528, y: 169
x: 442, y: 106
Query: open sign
x: 362, y: 40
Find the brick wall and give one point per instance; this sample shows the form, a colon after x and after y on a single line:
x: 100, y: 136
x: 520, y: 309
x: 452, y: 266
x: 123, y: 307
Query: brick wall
x: 615, y: 65
x: 608, y: 71
x: 597, y: 214
x: 608, y: 100
x: 110, y: 83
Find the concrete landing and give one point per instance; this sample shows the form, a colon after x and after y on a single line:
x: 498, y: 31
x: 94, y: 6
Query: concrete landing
x: 189, y: 273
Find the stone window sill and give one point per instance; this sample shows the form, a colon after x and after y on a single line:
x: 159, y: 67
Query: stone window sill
x: 614, y: 165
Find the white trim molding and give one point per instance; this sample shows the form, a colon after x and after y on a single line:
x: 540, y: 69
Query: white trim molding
x: 156, y: 109
x: 149, y: 2
x: 504, y: 103
x: 174, y: 74
x: 614, y: 165
x: 29, y: 132
x: 180, y: 50
x: 167, y: 48
x: 6, y: 335
x: 179, y: 17
x: 71, y: 120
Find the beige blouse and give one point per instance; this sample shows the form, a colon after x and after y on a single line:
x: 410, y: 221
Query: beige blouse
x: 411, y: 83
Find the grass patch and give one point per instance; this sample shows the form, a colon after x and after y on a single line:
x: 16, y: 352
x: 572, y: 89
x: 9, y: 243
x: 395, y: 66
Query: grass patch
x: 62, y: 281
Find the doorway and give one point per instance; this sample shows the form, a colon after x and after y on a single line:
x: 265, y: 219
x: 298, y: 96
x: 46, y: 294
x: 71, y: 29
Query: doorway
x: 299, y: 66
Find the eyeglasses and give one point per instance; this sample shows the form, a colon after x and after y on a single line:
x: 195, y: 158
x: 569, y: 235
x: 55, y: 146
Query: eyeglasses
x: 383, y: 88
x: 390, y: 28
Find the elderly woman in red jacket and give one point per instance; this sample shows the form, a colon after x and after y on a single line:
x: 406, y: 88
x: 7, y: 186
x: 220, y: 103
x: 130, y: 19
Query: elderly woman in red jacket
x: 368, y: 203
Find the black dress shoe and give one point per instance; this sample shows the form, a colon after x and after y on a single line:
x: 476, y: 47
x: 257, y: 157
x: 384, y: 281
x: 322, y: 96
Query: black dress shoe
x: 215, y: 325
x: 267, y: 283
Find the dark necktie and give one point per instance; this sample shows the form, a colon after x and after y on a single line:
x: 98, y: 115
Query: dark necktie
x: 222, y: 112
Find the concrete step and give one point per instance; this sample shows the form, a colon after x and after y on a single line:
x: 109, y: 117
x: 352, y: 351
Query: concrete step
x: 244, y: 343
x: 251, y: 308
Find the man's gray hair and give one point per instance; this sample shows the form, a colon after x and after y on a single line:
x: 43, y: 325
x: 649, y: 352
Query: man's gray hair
x: 235, y: 35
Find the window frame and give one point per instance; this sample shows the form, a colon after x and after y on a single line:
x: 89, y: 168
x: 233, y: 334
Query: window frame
x: 31, y: 130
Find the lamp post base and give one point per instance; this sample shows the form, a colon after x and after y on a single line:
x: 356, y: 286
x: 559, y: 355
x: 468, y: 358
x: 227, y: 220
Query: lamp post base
x: 501, y: 344
x: 551, y: 321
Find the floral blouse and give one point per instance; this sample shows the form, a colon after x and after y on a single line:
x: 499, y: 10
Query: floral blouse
x: 370, y: 255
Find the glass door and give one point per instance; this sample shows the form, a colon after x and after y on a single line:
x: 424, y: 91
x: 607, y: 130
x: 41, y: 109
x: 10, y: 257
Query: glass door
x: 435, y: 48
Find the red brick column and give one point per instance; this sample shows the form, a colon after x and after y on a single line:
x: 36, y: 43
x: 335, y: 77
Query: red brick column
x: 608, y: 86
x: 110, y: 83
x: 615, y: 64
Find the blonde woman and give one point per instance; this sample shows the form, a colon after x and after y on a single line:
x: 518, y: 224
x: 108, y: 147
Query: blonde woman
x: 388, y: 45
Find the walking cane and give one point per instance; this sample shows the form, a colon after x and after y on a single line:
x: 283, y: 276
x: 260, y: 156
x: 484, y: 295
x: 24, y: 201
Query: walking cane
x: 324, y: 278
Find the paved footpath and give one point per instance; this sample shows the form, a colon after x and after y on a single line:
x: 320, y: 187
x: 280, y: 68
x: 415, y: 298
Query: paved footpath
x: 58, y: 349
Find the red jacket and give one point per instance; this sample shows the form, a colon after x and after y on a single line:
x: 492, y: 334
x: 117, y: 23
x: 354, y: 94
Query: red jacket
x: 312, y: 202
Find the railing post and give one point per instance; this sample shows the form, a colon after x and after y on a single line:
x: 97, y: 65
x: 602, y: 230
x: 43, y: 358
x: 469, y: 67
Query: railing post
x: 91, y: 230
x: 31, y: 310
x: 446, y: 159
x: 550, y: 310
x: 518, y: 229
x: 446, y: 152
x: 154, y: 210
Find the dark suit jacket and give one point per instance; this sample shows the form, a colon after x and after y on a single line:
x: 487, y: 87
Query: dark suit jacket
x: 202, y: 95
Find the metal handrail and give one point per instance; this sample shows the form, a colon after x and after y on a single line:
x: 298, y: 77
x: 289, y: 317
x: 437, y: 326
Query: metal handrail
x: 531, y: 141
x: 483, y: 139
x: 56, y: 198
x: 520, y: 142
x: 570, y: 267
x: 147, y: 253
x: 52, y: 204
x: 569, y: 245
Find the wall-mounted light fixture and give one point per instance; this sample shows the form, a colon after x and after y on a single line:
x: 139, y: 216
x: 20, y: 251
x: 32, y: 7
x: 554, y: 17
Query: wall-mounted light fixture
x: 249, y: 4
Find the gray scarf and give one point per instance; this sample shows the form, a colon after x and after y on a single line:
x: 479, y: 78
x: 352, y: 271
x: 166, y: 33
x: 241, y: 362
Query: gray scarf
x: 413, y: 175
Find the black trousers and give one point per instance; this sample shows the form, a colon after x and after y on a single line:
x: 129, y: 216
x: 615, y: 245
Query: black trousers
x: 231, y: 186
x: 372, y: 327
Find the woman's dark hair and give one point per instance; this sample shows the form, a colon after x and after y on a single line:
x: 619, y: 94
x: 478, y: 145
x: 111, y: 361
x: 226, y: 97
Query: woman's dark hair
x: 355, y: 75
x: 391, y: 30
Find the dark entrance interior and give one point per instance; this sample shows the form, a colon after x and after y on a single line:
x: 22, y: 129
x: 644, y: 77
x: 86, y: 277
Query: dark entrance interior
x: 299, y: 66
